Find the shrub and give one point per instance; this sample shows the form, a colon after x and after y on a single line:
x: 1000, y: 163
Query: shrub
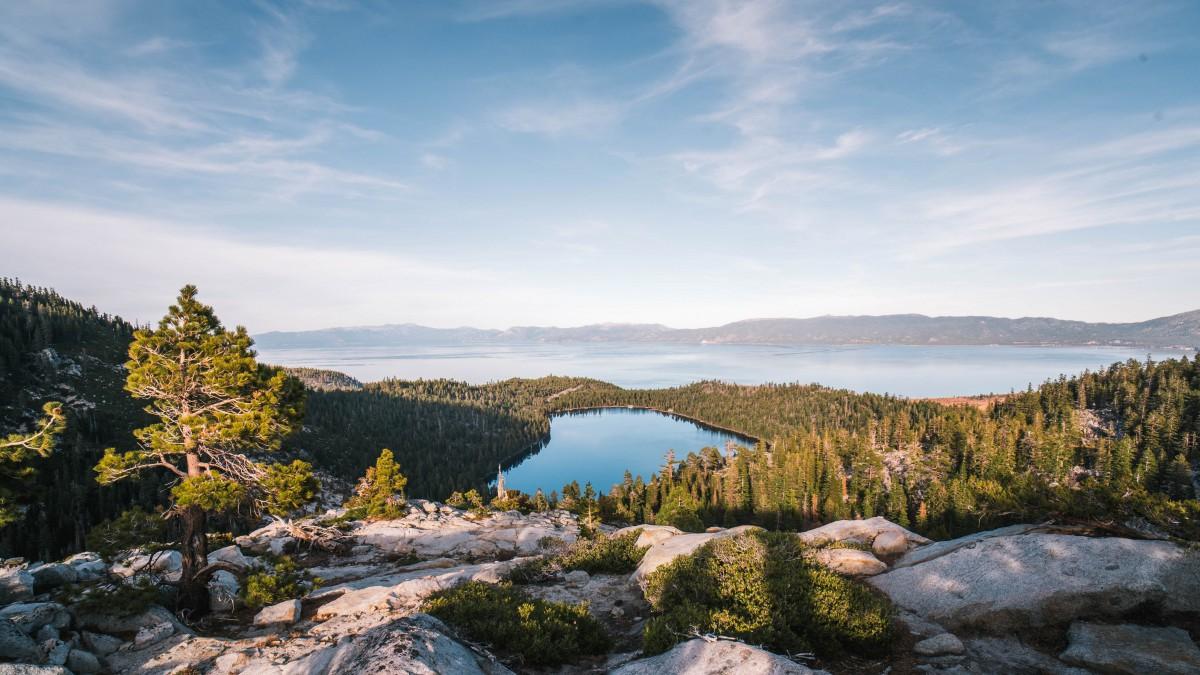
x: 283, y: 581
x: 602, y: 555
x: 134, y: 528
x: 764, y: 589
x: 117, y: 599
x: 538, y: 632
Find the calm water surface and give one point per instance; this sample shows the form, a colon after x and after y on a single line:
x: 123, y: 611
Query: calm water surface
x: 598, y: 446
x: 902, y: 370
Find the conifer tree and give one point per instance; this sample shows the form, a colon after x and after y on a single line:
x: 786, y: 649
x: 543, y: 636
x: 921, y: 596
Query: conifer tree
x: 381, y: 491
x: 217, y: 409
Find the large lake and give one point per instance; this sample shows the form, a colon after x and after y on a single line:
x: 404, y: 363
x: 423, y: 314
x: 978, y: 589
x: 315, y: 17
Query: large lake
x: 902, y: 370
x: 599, y: 445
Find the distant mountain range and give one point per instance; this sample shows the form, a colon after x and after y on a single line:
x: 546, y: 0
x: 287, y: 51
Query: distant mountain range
x: 1179, y: 330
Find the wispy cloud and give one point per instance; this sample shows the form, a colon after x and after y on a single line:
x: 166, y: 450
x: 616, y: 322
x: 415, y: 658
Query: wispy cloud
x: 558, y: 118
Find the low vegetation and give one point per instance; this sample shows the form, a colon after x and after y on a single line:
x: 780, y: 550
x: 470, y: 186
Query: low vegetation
x: 284, y: 580
x: 603, y: 554
x: 763, y: 588
x: 531, y: 631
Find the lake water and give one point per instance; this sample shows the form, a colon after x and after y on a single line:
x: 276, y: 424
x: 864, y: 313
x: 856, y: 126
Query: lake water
x: 896, y: 369
x: 598, y: 446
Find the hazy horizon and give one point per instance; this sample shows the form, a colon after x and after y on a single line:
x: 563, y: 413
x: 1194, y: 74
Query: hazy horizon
x: 538, y: 162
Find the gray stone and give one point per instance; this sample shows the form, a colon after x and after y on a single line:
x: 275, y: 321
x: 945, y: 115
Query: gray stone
x: 1031, y: 580
x: 1010, y: 656
x: 16, y: 585
x: 650, y: 534
x: 890, y: 543
x: 101, y: 644
x: 1131, y: 650
x: 850, y: 562
x: 30, y: 616
x: 87, y: 565
x: 52, y: 575
x: 115, y: 624
x: 231, y: 555
x: 939, y: 645
x: 415, y: 644
x: 166, y: 563
x: 57, y: 652
x: 47, y: 633
x: 858, y: 531
x: 285, y: 613
x: 28, y: 669
x: 720, y: 657
x: 148, y: 635
x: 15, y: 644
x: 79, y: 661
x: 223, y: 592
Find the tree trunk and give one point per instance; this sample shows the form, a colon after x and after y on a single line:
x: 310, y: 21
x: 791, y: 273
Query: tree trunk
x: 193, y: 591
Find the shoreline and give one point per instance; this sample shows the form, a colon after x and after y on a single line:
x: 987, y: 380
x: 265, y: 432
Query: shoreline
x: 670, y: 413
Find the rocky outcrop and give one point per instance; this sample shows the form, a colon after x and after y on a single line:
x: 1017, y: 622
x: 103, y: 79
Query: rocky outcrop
x: 649, y: 534
x: 1131, y: 650
x: 850, y: 562
x: 403, y: 590
x: 859, y: 532
x: 718, y: 657
x: 16, y: 584
x: 284, y: 613
x: 15, y: 644
x: 32, y: 616
x: 1012, y: 656
x: 451, y: 533
x: 1017, y: 581
x: 52, y: 575
x: 167, y: 563
x: 416, y: 644
x: 684, y: 544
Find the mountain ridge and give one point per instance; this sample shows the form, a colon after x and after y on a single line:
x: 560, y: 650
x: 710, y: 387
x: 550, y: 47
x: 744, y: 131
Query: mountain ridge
x: 1174, y: 331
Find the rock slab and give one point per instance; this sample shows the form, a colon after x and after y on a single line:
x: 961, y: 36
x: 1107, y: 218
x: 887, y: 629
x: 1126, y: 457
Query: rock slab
x: 720, y: 657
x: 1132, y: 650
x: 283, y: 613
x: 1015, y: 582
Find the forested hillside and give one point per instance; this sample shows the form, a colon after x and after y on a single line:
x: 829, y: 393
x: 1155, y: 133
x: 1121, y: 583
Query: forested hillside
x: 446, y: 435
x: 1118, y: 446
x: 53, y: 349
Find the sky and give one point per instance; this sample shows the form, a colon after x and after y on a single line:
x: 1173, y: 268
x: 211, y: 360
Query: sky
x: 555, y: 162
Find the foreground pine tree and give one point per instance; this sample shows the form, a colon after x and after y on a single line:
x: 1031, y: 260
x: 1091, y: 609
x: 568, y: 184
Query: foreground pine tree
x: 217, y: 409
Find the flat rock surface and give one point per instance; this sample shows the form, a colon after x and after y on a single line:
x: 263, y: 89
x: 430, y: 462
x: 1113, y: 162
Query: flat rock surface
x: 720, y: 657
x: 1014, y: 582
x: 1135, y: 650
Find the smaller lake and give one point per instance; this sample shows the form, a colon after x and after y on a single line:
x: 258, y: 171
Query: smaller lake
x: 599, y: 445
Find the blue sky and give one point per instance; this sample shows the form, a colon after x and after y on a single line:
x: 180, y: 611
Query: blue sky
x: 547, y: 162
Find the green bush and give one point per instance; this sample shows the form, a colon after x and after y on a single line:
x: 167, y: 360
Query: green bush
x: 537, y: 632
x: 134, y: 528
x: 117, y: 599
x: 763, y: 588
x: 602, y: 555
x: 283, y: 581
